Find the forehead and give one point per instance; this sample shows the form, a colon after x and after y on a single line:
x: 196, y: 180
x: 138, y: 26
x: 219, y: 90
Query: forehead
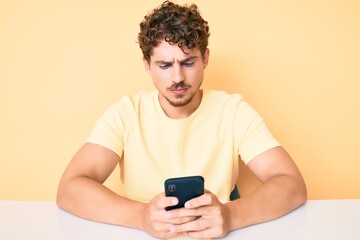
x: 165, y: 51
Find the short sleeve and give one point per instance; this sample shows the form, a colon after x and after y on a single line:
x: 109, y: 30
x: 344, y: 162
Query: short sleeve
x: 254, y: 136
x: 109, y: 129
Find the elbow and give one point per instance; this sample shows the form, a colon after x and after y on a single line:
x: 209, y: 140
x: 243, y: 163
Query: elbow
x: 297, y: 192
x: 60, y: 196
x: 301, y: 199
x: 59, y: 200
x: 304, y: 196
x: 301, y: 194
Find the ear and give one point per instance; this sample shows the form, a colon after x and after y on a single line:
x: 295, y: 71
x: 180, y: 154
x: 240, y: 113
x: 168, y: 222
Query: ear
x: 206, y: 57
x: 146, y: 65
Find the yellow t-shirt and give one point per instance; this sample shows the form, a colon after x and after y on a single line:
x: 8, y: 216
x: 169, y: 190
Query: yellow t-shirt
x: 209, y: 142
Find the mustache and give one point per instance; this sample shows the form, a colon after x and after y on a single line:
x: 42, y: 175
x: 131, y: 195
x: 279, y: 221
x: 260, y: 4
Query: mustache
x: 179, y: 85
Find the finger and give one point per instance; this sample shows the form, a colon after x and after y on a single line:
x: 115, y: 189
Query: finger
x: 163, y: 201
x: 193, y: 226
x: 203, y: 200
x: 208, y: 233
x: 183, y: 213
x: 166, y: 234
x: 207, y: 191
x: 181, y: 220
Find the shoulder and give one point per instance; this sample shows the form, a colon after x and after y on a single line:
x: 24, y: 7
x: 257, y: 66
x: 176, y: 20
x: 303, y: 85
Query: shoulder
x: 233, y: 102
x: 134, y: 101
x: 137, y: 97
x: 128, y: 106
x: 222, y: 95
x: 223, y: 98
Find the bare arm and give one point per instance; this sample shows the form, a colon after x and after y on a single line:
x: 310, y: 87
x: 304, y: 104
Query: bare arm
x: 81, y: 190
x: 282, y: 191
x: 82, y: 193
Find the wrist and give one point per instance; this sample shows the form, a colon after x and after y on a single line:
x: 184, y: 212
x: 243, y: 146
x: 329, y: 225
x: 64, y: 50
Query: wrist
x: 138, y: 216
x: 233, y: 215
x: 130, y: 213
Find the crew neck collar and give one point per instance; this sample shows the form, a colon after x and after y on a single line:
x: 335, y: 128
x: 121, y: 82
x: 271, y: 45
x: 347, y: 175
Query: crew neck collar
x: 191, y: 116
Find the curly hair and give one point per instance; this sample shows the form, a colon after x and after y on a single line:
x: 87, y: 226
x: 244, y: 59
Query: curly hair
x: 176, y: 24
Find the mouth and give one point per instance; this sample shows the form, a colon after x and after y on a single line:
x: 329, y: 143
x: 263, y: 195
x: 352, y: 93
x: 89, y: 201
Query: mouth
x: 179, y: 91
x: 179, y: 88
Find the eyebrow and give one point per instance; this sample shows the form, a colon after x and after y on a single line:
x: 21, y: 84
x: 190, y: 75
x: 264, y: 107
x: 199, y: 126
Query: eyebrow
x: 182, y: 61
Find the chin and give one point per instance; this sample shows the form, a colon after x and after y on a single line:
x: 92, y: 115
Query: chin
x: 180, y: 103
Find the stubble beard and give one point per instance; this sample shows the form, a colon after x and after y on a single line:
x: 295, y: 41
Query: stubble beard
x: 181, y: 99
x: 181, y: 102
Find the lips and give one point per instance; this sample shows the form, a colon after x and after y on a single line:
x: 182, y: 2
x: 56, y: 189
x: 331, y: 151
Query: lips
x: 179, y: 90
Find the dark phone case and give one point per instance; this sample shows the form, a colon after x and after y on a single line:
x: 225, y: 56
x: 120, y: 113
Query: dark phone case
x: 184, y: 188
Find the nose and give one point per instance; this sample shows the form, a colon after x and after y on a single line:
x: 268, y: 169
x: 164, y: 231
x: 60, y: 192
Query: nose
x: 179, y: 75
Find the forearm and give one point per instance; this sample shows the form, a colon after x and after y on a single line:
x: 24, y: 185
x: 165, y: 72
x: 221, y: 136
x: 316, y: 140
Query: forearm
x: 279, y: 196
x: 89, y: 199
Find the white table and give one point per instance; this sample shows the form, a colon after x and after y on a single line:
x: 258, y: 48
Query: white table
x: 318, y: 219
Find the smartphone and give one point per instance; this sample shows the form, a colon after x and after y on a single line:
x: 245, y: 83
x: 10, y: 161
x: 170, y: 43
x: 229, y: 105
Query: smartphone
x: 184, y: 188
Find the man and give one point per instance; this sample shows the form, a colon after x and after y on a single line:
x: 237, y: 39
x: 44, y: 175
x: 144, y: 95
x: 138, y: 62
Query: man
x: 179, y: 130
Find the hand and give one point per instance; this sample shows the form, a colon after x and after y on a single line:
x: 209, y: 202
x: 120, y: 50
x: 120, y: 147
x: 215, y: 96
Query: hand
x: 211, y: 217
x: 157, y: 221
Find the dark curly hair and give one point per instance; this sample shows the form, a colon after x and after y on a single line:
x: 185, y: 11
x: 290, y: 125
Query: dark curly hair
x: 176, y: 24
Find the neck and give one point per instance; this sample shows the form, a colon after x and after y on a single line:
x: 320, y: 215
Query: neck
x: 183, y: 111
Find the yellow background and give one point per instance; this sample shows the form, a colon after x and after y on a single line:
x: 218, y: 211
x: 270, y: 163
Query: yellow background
x: 63, y: 62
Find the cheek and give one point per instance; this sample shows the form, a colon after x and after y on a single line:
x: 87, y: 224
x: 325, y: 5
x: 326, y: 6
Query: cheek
x: 160, y: 79
x: 196, y: 76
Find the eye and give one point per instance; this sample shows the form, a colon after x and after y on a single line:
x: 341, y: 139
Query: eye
x: 164, y: 66
x: 188, y: 64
